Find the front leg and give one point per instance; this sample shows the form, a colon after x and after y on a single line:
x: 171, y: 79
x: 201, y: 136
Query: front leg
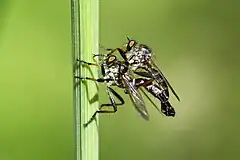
x: 88, y: 63
x: 120, y: 50
x: 113, y: 105
x: 101, y: 80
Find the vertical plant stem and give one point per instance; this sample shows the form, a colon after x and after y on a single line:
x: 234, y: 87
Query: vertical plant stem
x: 85, y: 42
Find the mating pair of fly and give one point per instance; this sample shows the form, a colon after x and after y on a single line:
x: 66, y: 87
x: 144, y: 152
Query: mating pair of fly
x: 136, y: 71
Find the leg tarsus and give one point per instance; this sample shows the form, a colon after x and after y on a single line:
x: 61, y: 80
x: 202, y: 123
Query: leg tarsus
x: 97, y: 112
x: 100, y: 80
x: 112, y: 104
x: 87, y: 63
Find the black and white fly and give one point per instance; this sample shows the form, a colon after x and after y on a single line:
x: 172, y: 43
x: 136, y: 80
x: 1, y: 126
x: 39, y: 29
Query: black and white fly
x: 115, y: 73
x: 140, y: 60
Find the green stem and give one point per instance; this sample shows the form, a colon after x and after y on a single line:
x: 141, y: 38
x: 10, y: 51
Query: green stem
x: 85, y: 22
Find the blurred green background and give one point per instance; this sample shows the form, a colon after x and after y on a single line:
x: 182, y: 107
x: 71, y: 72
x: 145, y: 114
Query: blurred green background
x: 196, y: 44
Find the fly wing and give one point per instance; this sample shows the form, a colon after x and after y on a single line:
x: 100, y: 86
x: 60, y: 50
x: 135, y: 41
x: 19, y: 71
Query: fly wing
x: 151, y: 101
x: 136, y: 98
x: 165, y: 79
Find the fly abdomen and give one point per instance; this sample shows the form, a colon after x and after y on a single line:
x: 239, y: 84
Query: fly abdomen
x: 158, y: 92
x: 157, y: 75
x: 162, y: 95
x: 167, y: 109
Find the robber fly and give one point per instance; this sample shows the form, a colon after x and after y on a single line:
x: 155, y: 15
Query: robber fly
x: 139, y: 57
x: 158, y: 91
x: 115, y: 73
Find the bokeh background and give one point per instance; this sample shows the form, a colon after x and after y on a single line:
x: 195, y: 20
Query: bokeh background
x: 196, y: 44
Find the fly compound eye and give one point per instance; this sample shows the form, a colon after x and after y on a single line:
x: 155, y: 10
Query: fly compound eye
x: 111, y: 59
x: 131, y: 44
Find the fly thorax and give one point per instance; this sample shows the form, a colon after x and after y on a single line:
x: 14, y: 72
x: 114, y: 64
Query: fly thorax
x: 111, y: 83
x: 123, y: 69
x: 130, y: 57
x: 140, y: 56
x: 109, y: 75
x: 147, y: 54
x: 114, y: 70
x: 134, y: 67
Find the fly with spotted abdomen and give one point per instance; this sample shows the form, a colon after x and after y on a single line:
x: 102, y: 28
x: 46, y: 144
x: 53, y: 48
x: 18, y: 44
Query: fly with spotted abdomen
x: 140, y: 60
x: 116, y: 73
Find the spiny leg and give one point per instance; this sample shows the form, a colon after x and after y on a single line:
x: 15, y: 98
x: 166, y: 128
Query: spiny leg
x: 99, y: 55
x: 120, y: 50
x: 112, y: 50
x: 112, y: 104
x: 88, y: 63
x: 101, y: 80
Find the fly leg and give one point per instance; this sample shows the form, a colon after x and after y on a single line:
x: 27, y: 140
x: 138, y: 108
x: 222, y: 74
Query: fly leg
x: 110, y: 91
x: 88, y: 63
x: 101, y: 80
x: 113, y: 104
x: 112, y: 50
x: 87, y: 78
x: 120, y: 50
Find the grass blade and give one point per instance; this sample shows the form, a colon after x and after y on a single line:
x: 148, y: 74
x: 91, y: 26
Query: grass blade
x: 85, y: 37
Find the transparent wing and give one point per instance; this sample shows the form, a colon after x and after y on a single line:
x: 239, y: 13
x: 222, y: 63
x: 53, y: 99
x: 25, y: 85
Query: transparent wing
x: 151, y: 101
x: 136, y: 98
x: 164, y: 78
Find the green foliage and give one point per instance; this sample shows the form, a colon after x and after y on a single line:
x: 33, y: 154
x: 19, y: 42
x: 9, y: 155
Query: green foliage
x: 85, y: 43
